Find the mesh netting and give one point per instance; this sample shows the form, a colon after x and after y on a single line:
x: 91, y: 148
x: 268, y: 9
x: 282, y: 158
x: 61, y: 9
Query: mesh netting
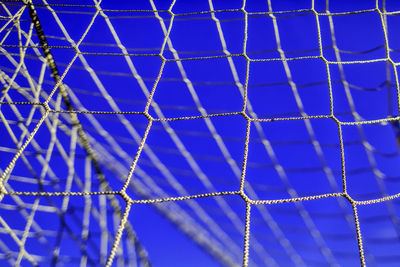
x: 208, y: 133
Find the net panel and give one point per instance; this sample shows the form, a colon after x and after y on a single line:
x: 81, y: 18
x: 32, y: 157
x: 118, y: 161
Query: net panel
x: 263, y: 133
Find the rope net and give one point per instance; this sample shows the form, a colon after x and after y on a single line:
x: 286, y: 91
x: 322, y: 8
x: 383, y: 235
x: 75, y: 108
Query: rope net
x: 232, y: 133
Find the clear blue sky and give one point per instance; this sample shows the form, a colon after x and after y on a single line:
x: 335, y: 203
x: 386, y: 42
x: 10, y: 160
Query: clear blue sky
x: 286, y: 158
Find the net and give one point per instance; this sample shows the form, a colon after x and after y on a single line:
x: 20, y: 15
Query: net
x: 203, y: 134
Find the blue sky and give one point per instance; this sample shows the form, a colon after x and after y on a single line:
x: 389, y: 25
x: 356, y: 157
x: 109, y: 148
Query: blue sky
x: 288, y: 156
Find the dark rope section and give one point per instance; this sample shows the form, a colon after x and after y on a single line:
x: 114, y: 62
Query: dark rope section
x: 81, y: 133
